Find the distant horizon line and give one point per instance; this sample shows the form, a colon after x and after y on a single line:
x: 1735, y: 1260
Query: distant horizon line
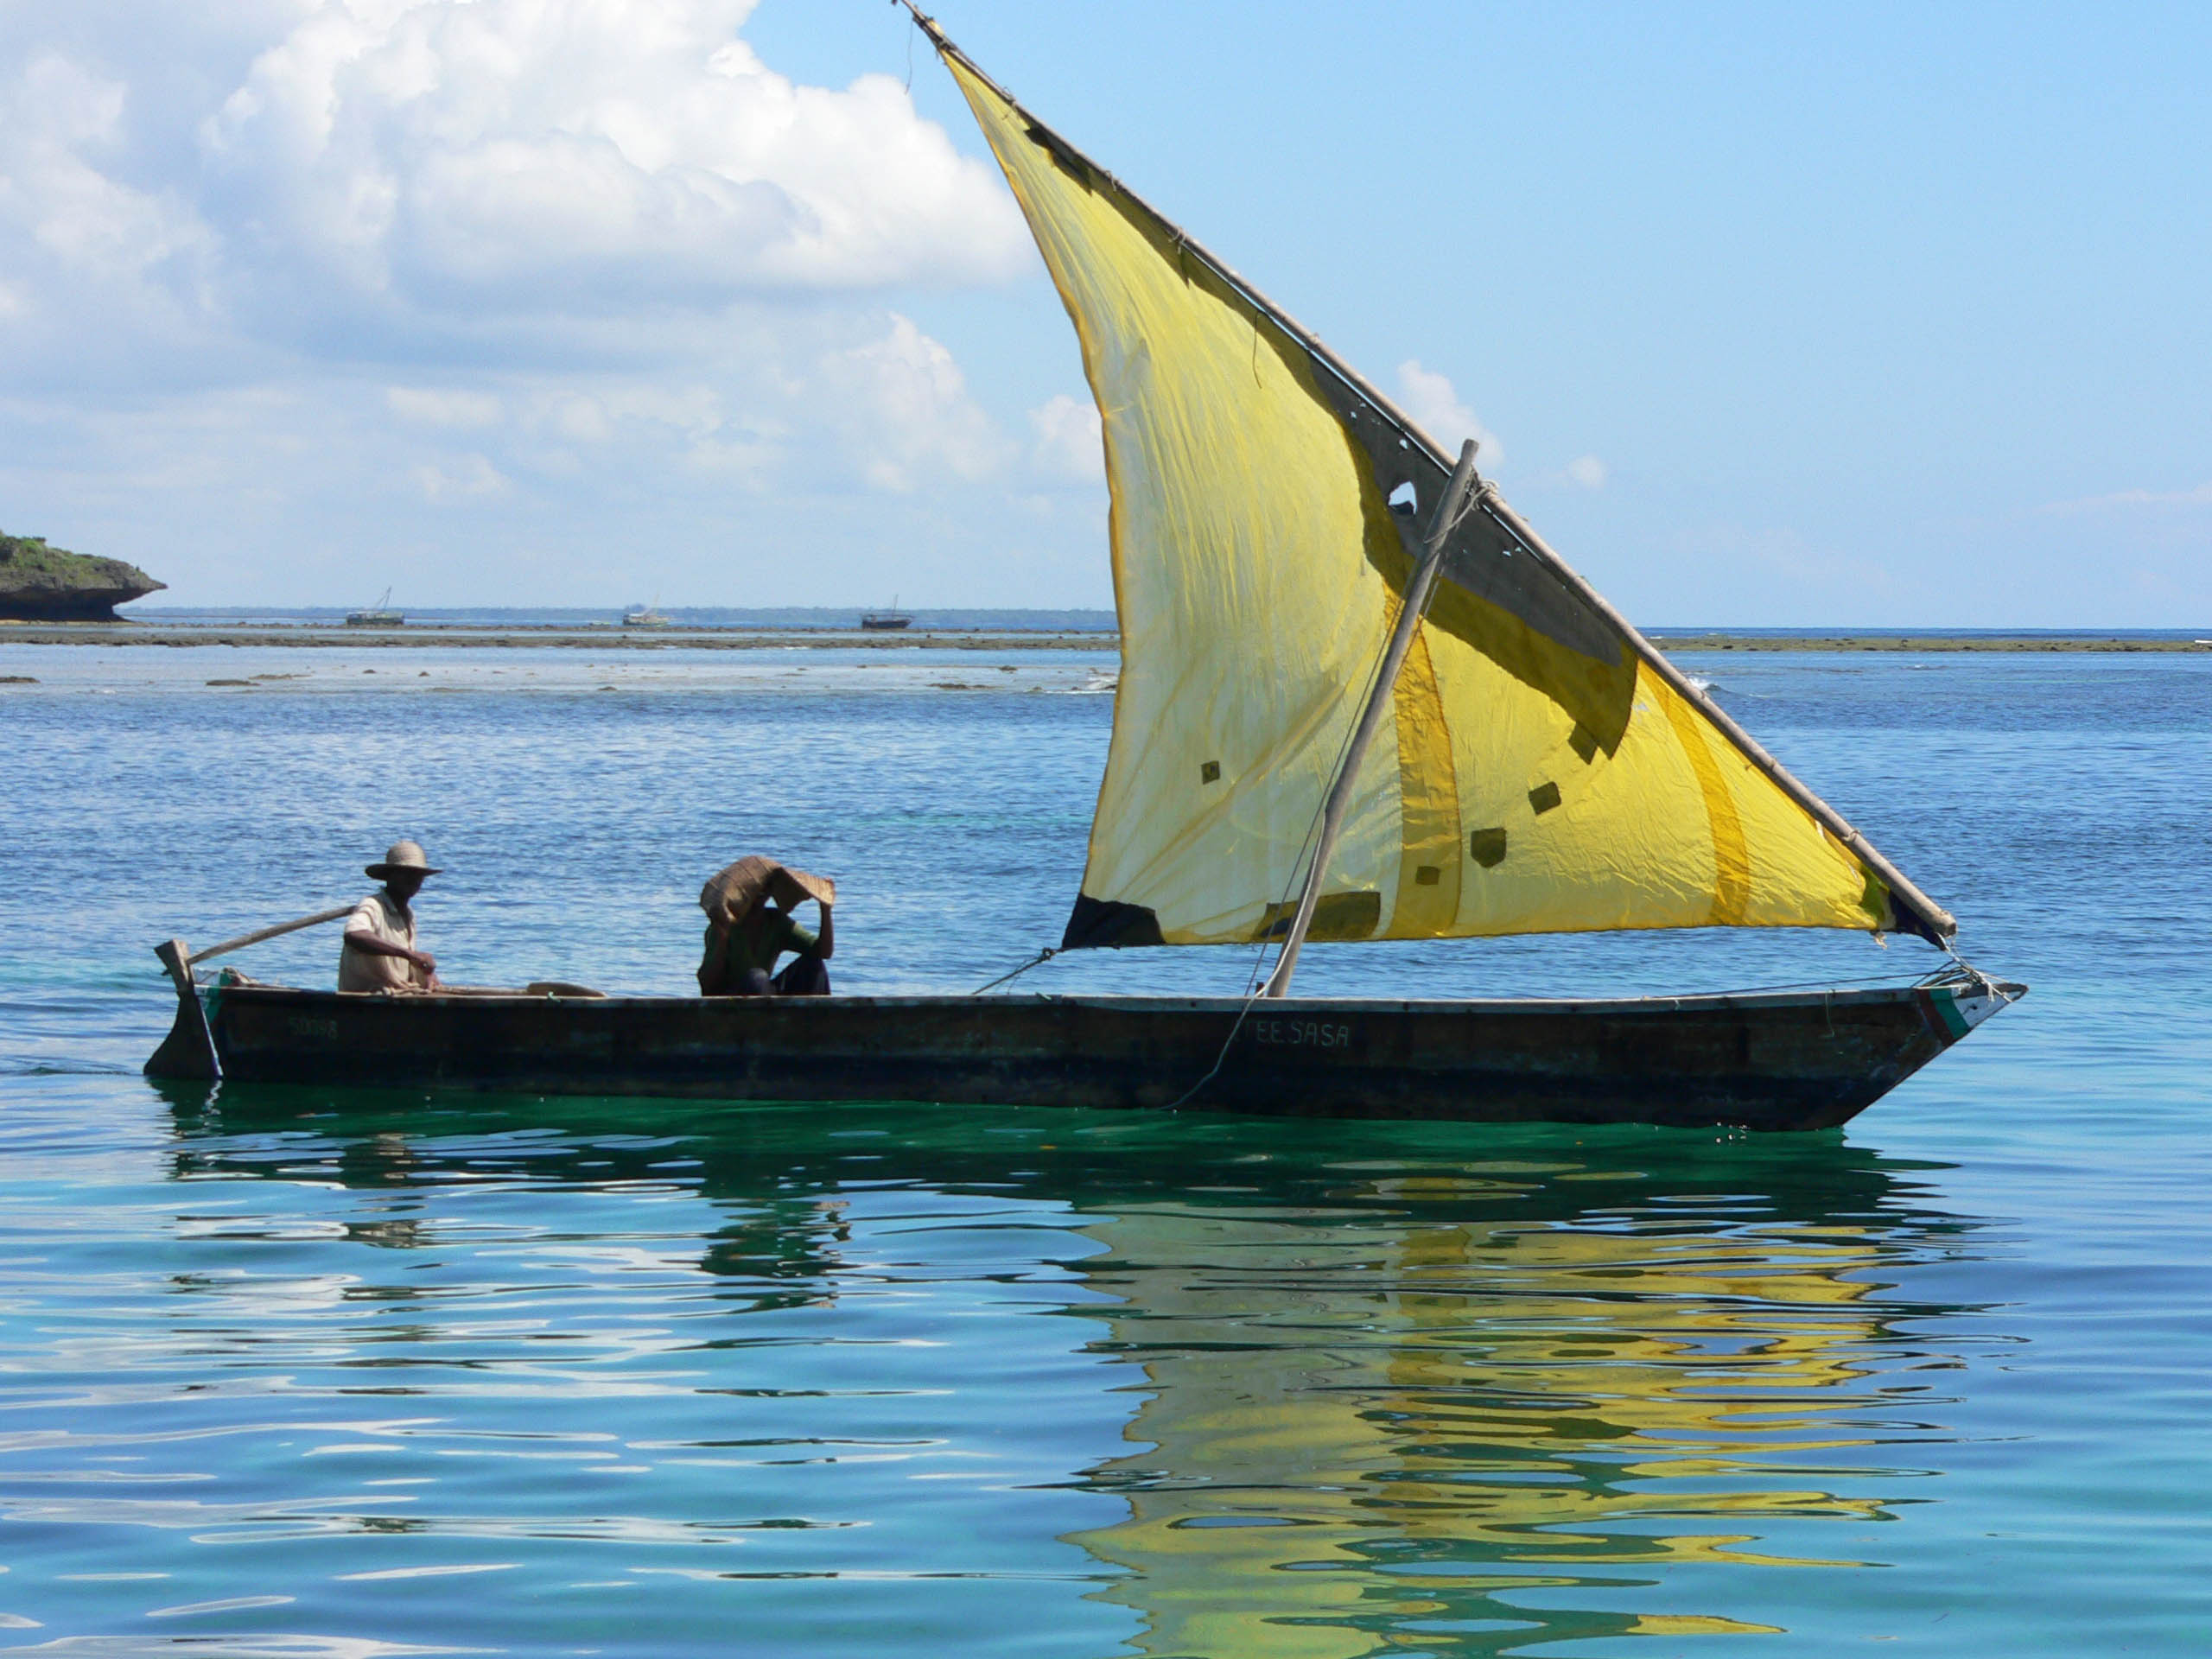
x: 1108, y: 616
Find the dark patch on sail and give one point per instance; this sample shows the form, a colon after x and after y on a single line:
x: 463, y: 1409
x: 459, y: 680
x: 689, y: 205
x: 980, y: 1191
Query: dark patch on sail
x: 1427, y: 875
x: 1584, y: 742
x: 1519, y: 615
x: 1107, y: 924
x: 1064, y: 156
x: 1542, y: 798
x: 1487, y: 847
x: 1505, y: 604
x: 1336, y: 916
x: 1210, y: 772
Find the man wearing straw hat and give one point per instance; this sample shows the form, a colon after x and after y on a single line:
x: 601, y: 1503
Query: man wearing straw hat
x: 379, y: 953
x: 749, y: 924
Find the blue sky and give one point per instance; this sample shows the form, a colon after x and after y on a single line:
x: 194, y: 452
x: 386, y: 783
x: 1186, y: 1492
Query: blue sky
x: 1866, y: 315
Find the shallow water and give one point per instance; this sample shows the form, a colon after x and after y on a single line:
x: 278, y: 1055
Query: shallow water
x: 321, y: 1372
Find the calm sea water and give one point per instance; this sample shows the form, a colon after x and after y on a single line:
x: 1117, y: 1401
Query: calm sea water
x: 324, y: 1372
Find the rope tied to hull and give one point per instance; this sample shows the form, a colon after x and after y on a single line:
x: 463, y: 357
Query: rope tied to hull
x: 1037, y: 961
x: 1220, y: 1059
x: 1981, y: 983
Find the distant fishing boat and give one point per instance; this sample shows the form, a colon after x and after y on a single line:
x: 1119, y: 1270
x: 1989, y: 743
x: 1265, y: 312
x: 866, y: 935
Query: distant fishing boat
x: 644, y: 616
x: 886, y: 621
x: 1360, y: 698
x: 379, y: 616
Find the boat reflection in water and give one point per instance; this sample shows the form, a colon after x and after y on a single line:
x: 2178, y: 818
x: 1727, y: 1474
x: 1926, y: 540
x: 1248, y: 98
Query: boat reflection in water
x: 1412, y: 1387
x: 1455, y: 1397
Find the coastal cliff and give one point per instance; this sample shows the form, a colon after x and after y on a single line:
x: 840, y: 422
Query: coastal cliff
x: 40, y: 583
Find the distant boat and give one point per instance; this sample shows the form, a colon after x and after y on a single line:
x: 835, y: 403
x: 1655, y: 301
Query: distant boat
x: 644, y: 616
x: 886, y: 621
x: 379, y: 616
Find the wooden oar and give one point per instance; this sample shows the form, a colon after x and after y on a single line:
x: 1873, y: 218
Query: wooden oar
x: 244, y: 940
x: 179, y: 958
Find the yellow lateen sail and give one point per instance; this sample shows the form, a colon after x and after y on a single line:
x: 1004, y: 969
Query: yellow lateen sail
x: 1546, y: 776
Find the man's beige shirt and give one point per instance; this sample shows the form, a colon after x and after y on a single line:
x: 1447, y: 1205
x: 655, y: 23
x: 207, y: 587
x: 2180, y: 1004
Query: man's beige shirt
x: 378, y: 917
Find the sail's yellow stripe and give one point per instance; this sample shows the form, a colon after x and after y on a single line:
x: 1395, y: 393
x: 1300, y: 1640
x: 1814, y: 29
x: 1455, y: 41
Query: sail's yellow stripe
x: 1430, y: 857
x: 1731, y: 855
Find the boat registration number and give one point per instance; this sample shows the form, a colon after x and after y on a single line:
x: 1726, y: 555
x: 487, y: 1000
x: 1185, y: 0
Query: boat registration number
x: 1327, y: 1035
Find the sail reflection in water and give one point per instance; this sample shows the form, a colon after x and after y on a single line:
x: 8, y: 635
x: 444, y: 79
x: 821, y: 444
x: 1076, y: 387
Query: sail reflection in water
x: 1443, y: 1396
x: 1452, y: 1394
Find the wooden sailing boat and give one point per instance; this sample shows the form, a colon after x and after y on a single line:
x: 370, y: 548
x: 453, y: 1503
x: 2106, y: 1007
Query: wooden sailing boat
x: 887, y: 621
x: 379, y: 616
x: 1336, y: 719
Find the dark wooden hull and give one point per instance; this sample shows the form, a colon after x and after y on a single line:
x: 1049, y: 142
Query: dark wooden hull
x: 1790, y: 1061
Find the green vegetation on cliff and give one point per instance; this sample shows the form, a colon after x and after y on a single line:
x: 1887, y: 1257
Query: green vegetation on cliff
x: 40, y: 583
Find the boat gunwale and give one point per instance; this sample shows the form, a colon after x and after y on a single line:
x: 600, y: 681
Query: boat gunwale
x: 1114, y: 1002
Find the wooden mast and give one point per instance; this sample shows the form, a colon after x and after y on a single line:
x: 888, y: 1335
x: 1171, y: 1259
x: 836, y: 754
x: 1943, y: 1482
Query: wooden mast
x: 1378, y: 698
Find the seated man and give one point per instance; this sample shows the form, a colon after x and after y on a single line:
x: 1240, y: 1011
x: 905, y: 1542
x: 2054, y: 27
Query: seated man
x: 749, y: 924
x: 379, y: 953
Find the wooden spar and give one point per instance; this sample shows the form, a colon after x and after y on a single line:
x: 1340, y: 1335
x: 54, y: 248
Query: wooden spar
x: 1937, y: 923
x: 256, y: 937
x: 1378, y: 698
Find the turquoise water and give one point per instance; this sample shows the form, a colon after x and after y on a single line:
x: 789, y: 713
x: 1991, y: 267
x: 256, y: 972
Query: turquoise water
x: 330, y: 1372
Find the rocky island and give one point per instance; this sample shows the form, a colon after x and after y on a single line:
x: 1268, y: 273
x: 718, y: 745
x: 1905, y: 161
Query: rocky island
x: 40, y: 583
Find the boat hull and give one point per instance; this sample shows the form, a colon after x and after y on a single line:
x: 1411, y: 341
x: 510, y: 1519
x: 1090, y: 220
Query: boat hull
x: 1793, y: 1061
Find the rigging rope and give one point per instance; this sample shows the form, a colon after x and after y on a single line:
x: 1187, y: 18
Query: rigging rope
x: 1041, y: 958
x: 1220, y: 1059
x: 1981, y: 981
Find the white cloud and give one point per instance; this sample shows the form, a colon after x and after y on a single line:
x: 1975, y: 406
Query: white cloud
x: 319, y: 276
x: 2199, y: 497
x: 586, y: 155
x: 1758, y: 559
x: 1430, y: 398
x: 691, y: 411
x: 461, y: 478
x: 350, y: 180
x: 99, y: 228
x: 1070, y: 441
x: 434, y: 408
x: 1588, y: 472
x: 111, y: 269
x: 906, y: 407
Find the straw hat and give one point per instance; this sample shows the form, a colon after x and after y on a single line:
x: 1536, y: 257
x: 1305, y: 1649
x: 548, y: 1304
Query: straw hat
x: 740, y: 887
x: 400, y: 855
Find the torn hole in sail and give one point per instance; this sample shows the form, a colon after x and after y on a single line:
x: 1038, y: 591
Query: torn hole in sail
x: 1543, y: 797
x: 1336, y: 916
x: 1405, y: 500
x: 1487, y: 847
